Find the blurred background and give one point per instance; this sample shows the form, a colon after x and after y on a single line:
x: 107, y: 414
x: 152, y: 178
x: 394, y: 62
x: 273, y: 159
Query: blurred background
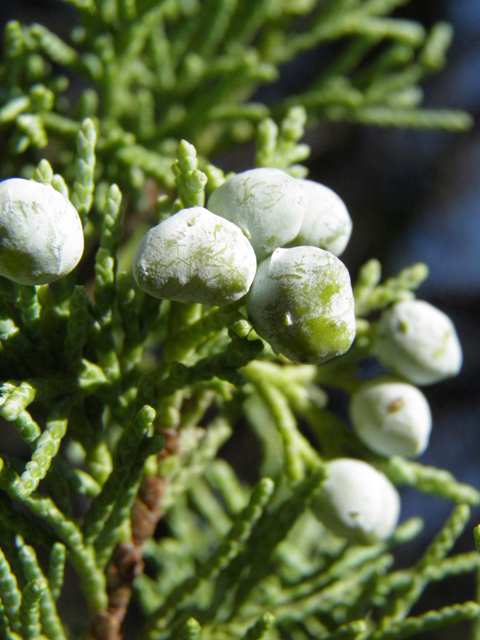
x: 413, y: 196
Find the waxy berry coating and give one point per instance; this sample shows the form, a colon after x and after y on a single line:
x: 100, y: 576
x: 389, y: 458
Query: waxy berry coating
x: 357, y: 502
x: 301, y: 302
x: 418, y: 342
x: 327, y: 223
x: 41, y: 234
x: 391, y: 417
x: 195, y: 256
x: 267, y: 204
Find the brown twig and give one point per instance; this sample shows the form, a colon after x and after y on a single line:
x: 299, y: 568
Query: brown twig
x: 126, y: 562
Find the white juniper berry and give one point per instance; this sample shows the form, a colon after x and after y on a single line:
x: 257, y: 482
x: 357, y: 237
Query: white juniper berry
x: 391, y: 417
x: 195, y: 256
x: 357, y: 502
x: 267, y: 204
x: 418, y: 342
x: 327, y: 223
x: 41, y: 234
x: 301, y: 302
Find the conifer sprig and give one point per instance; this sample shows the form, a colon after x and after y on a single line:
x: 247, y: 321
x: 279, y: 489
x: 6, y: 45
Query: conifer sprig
x: 119, y: 404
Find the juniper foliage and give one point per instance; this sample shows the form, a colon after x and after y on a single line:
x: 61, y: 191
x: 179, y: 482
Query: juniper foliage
x: 121, y: 401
